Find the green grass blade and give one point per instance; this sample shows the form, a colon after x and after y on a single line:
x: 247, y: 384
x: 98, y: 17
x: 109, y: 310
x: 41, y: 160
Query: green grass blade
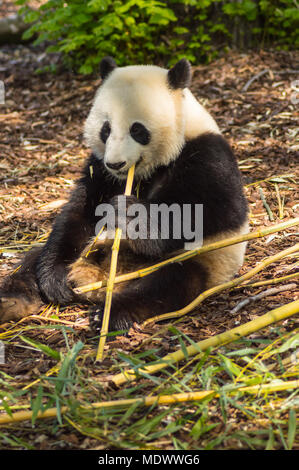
x: 291, y: 428
x: 42, y: 347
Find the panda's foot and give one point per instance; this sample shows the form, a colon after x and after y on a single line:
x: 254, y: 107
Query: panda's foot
x: 116, y: 322
x: 81, y: 273
x: 96, y: 319
x: 15, y: 307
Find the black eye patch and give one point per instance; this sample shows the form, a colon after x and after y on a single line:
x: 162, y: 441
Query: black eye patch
x: 140, y: 133
x: 105, y: 131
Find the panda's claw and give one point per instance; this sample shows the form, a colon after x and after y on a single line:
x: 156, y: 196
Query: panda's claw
x: 96, y: 319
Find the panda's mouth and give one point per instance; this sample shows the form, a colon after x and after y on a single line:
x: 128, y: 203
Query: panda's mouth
x: 124, y: 172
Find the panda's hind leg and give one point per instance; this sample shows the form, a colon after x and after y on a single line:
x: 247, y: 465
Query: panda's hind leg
x: 19, y: 293
x: 167, y: 289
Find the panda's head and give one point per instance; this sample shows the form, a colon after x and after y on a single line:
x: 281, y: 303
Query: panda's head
x: 137, y: 116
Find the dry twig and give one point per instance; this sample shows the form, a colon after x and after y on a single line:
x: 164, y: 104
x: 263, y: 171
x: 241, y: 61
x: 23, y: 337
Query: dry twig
x: 261, y: 295
x: 255, y: 77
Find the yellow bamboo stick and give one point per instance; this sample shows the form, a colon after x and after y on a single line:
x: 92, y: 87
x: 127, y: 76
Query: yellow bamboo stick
x: 189, y: 254
x: 149, y: 401
x: 271, y: 387
x: 248, y: 328
x: 94, y: 241
x: 26, y: 415
x: 50, y: 372
x: 268, y: 282
x: 112, y: 273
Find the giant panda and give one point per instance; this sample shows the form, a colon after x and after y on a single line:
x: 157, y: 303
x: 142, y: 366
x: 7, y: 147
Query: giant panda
x: 143, y: 115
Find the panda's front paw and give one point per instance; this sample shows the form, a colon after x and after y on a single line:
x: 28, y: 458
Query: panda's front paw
x: 81, y: 272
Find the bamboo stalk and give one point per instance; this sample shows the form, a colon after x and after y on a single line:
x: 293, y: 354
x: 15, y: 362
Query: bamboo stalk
x: 112, y: 273
x: 226, y: 285
x: 189, y: 254
x: 268, y: 282
x: 248, y: 328
x: 26, y: 415
x: 94, y: 241
x: 50, y: 372
x: 149, y: 401
x: 266, y: 388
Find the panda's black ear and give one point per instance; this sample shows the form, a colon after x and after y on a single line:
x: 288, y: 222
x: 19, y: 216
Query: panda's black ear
x: 106, y: 66
x: 179, y: 76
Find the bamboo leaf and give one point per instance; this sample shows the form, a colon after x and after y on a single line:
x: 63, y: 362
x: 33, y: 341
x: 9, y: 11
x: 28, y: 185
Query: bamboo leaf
x: 242, y: 352
x: 66, y: 367
x: 291, y: 428
x: 37, y: 404
x: 129, y: 412
x: 271, y: 440
x: 291, y: 343
x: 42, y: 347
x: 232, y: 368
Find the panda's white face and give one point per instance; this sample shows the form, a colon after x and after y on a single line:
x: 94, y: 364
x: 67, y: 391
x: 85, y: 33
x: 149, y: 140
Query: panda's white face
x: 142, y: 115
x: 136, y: 119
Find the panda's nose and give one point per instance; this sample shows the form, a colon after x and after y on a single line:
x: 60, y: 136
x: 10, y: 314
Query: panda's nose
x: 115, y: 166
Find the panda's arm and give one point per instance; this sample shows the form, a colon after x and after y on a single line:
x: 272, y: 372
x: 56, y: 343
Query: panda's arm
x: 71, y: 230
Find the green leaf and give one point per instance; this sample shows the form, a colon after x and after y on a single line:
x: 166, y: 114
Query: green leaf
x: 42, y: 347
x: 230, y: 366
x: 6, y: 407
x: 241, y: 352
x: 67, y: 365
x: 78, y: 20
x: 180, y: 30
x: 291, y: 428
x: 98, y: 5
x: 162, y: 16
x: 31, y: 17
x: 37, y: 404
x: 271, y: 440
x: 200, y: 428
x: 291, y: 343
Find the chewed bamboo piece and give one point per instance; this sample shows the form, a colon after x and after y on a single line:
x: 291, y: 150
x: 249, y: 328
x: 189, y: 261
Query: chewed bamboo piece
x: 189, y: 254
x: 112, y: 273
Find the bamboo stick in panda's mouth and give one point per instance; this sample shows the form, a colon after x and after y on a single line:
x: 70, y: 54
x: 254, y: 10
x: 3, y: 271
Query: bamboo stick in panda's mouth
x: 112, y: 274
